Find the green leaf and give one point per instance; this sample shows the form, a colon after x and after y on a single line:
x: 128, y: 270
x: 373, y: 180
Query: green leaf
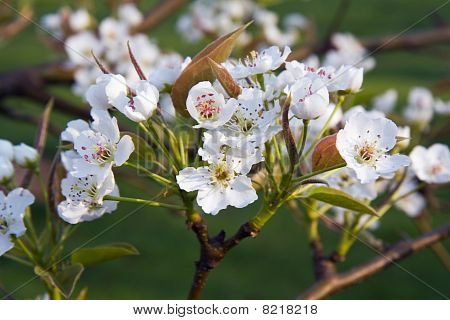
x: 65, y: 280
x: 95, y: 255
x: 199, y: 69
x: 341, y: 199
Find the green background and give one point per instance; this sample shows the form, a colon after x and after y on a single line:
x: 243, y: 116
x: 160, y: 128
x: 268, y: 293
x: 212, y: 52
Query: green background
x: 276, y: 265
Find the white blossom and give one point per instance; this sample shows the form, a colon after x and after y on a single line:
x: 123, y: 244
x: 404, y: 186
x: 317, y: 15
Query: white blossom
x: 420, y: 106
x: 431, y: 165
x: 257, y: 63
x: 138, y: 103
x: 12, y: 210
x: 310, y: 98
x: 218, y: 186
x: 208, y: 107
x: 79, y: 20
x: 25, y: 156
x: 101, y: 146
x: 6, y: 149
x: 79, y: 48
x: 442, y: 107
x: 129, y: 14
x: 385, y: 102
x: 414, y: 203
x: 84, y: 197
x: 364, y: 144
x: 6, y: 170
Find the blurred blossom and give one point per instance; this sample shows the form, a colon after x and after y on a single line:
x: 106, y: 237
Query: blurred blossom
x: 386, y: 101
x: 348, y: 51
x: 420, y: 106
x: 25, y: 156
x: 431, y: 165
x: 414, y: 203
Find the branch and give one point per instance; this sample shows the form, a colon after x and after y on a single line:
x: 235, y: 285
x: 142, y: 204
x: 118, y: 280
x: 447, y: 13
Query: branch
x: 30, y: 82
x: 162, y: 10
x: 14, y: 27
x: 401, y: 250
x: 385, y: 43
x: 212, y: 251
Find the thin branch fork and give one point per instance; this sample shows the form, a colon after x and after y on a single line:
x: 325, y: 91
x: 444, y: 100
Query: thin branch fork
x: 335, y: 282
x: 212, y: 251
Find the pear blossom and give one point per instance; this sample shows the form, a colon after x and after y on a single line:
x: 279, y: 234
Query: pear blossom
x: 420, y: 106
x: 218, y: 186
x: 347, y: 51
x: 431, y: 165
x: 79, y: 20
x: 84, y: 197
x: 257, y: 63
x: 386, y: 101
x: 6, y: 149
x: 12, y: 210
x: 346, y: 78
x: 254, y: 120
x: 364, y: 144
x: 25, y: 156
x: 6, y: 170
x: 310, y: 98
x: 138, y: 104
x: 208, y: 107
x: 375, y: 114
x: 442, y: 107
x: 241, y: 156
x: 101, y: 146
x: 96, y: 94
x: 79, y: 47
x: 414, y: 203
x: 129, y: 14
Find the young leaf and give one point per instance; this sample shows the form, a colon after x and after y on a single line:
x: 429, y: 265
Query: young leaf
x: 95, y: 255
x: 225, y: 79
x: 199, y: 69
x: 65, y: 280
x: 325, y: 154
x: 340, y: 199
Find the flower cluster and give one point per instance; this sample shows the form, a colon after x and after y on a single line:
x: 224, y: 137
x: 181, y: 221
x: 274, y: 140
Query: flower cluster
x: 213, y: 18
x: 14, y: 203
x: 22, y: 154
x: 108, y: 41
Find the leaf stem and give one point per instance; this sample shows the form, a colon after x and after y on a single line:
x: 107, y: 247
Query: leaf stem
x: 146, y: 202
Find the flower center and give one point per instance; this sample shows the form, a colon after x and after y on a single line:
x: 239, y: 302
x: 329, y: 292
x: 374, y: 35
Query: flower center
x: 221, y: 175
x: 435, y: 169
x: 83, y: 190
x: 366, y: 154
x: 207, y: 107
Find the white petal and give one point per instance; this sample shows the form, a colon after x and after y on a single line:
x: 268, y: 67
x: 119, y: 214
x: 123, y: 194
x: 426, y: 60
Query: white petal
x: 5, y: 243
x: 124, y: 149
x: 192, y: 179
x: 240, y: 192
x: 212, y: 199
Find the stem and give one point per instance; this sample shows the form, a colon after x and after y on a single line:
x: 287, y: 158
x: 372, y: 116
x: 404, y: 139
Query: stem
x: 156, y: 177
x: 26, y: 251
x: 304, y: 135
x: 315, y: 173
x: 143, y: 201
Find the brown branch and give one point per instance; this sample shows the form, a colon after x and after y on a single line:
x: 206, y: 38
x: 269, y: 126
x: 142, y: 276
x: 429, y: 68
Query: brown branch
x: 331, y: 284
x: 162, y: 10
x: 31, y: 83
x: 212, y: 251
x: 409, y: 40
x: 14, y: 27
x: 385, y: 43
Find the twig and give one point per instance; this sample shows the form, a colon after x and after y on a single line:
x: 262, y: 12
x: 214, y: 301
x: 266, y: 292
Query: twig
x: 157, y: 14
x: 401, y: 250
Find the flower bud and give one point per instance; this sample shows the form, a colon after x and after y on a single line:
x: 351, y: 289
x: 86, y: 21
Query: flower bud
x: 25, y: 156
x: 6, y: 170
x: 6, y: 149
